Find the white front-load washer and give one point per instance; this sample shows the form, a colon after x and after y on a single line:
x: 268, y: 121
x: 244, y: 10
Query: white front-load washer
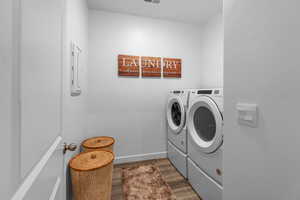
x: 205, y: 140
x: 177, y: 105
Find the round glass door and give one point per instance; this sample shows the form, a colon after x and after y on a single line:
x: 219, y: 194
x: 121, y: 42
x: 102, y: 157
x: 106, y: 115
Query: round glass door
x: 175, y: 114
x: 205, y: 124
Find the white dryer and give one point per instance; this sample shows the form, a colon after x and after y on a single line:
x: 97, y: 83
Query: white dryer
x: 177, y: 105
x: 205, y: 140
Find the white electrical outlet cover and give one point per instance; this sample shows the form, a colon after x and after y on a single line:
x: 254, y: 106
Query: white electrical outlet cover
x: 247, y: 114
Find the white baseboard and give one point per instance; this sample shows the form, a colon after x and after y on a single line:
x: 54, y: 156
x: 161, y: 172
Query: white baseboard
x: 140, y: 157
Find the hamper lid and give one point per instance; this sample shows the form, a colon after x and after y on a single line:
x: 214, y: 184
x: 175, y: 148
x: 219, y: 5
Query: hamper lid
x: 98, y: 142
x: 91, y: 160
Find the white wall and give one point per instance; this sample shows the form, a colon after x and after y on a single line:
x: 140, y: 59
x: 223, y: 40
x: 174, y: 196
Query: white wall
x: 75, y: 108
x: 133, y: 109
x: 262, y: 66
x: 211, y: 55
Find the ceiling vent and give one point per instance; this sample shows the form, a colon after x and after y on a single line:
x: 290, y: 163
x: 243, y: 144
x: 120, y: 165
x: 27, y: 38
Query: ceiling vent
x: 152, y: 1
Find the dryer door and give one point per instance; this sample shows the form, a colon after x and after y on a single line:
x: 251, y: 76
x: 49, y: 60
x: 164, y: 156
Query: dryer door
x: 205, y: 124
x: 175, y: 114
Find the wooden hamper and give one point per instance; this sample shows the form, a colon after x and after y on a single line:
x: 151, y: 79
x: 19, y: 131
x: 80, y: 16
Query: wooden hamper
x: 98, y: 143
x: 91, y: 174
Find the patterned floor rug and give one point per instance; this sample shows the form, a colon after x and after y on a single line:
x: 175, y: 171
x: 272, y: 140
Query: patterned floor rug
x: 145, y: 183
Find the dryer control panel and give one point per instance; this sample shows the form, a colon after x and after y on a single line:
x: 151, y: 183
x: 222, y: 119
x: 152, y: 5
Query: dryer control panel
x: 205, y: 92
x: 215, y: 92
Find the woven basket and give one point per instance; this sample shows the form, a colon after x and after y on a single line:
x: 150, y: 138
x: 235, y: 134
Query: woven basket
x: 98, y: 143
x: 91, y: 174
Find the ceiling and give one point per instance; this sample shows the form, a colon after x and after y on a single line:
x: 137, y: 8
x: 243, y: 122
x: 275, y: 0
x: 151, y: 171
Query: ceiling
x: 189, y: 11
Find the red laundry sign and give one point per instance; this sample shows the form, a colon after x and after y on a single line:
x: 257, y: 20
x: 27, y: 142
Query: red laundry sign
x: 172, y: 67
x: 151, y: 66
x: 128, y: 65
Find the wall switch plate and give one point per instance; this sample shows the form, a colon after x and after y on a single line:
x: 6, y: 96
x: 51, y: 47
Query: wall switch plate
x: 247, y: 114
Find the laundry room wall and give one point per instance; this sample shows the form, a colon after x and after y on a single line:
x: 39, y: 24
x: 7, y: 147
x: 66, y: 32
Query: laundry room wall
x: 211, y: 54
x: 133, y: 109
x: 75, y: 107
x: 262, y: 66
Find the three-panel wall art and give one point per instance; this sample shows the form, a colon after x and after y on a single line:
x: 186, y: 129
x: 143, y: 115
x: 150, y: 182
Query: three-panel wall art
x: 133, y: 66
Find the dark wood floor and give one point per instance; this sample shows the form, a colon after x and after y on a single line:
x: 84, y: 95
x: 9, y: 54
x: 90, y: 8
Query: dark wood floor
x: 180, y: 187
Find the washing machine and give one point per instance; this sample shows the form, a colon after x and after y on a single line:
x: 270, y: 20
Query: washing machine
x: 177, y: 105
x: 205, y: 142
